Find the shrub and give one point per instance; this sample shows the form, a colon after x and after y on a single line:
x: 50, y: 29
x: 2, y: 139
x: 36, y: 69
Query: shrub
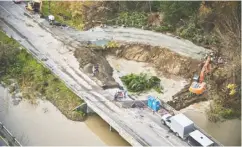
x: 141, y: 83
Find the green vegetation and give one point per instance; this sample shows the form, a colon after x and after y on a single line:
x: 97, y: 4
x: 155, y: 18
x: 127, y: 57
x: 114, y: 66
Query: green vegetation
x: 213, y: 24
x: 141, y: 83
x: 34, y: 79
x: 62, y: 13
x: 112, y: 44
x: 130, y: 19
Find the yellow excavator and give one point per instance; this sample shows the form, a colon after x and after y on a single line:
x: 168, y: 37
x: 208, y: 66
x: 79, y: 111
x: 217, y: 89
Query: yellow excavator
x: 34, y: 6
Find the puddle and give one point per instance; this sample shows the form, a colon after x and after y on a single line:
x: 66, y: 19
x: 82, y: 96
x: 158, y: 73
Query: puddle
x: 123, y: 67
x: 102, y: 42
x: 44, y: 125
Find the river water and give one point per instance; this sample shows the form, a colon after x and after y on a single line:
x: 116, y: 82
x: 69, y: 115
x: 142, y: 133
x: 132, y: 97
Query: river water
x: 43, y: 124
x: 227, y: 132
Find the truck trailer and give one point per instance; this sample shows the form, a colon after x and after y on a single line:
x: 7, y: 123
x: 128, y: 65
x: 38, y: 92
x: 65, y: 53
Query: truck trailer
x: 179, y: 124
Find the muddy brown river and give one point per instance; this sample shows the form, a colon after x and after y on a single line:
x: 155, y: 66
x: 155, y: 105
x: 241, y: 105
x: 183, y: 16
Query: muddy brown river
x: 227, y: 132
x: 43, y: 124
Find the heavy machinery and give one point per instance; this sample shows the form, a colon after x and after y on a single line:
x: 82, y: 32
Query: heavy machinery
x: 34, y: 6
x: 198, y: 85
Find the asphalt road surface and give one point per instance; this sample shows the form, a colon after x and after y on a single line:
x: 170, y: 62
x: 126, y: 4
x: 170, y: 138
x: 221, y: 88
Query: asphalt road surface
x: 43, y: 41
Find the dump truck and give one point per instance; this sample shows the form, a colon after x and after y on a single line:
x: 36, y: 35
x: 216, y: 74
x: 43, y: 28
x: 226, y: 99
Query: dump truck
x: 179, y: 124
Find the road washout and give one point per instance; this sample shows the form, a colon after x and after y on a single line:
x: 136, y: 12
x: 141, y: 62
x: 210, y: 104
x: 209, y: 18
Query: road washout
x: 25, y: 119
x: 174, y: 70
x: 196, y: 111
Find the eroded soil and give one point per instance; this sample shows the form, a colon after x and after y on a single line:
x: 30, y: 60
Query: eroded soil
x: 165, y: 62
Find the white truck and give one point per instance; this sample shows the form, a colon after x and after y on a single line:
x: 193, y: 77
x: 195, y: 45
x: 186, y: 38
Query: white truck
x: 179, y: 124
x: 197, y: 138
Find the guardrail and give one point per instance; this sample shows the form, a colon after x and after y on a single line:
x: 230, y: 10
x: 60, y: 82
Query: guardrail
x: 12, y: 141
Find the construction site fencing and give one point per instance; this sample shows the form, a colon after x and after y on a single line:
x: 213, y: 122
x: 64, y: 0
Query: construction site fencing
x: 12, y: 141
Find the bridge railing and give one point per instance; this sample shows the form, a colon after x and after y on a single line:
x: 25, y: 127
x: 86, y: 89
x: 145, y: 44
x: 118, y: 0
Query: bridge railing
x: 12, y: 141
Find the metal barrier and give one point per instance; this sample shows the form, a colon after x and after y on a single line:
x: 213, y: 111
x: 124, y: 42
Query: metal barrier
x: 5, y: 134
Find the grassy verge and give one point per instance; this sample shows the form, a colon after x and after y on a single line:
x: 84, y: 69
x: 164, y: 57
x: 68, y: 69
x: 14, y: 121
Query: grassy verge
x: 141, y: 83
x: 62, y: 13
x: 34, y: 79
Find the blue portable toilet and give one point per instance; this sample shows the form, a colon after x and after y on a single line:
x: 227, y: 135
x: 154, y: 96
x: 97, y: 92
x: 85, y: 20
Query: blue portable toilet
x: 156, y: 105
x: 150, y: 101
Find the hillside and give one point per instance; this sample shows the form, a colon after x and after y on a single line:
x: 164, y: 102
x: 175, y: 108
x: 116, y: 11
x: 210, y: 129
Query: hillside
x: 214, y: 25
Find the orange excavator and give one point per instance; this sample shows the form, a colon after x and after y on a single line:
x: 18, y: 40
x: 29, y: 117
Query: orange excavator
x: 199, y: 86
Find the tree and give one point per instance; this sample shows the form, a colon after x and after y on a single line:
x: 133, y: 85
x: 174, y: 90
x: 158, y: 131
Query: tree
x: 176, y: 10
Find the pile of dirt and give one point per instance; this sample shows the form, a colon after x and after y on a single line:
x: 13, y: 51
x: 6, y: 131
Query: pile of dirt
x: 184, y: 98
x: 88, y: 57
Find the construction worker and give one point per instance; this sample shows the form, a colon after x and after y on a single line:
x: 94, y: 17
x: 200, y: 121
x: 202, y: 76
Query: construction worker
x: 95, y: 69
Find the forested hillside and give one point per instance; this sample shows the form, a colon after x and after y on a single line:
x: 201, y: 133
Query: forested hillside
x: 212, y: 24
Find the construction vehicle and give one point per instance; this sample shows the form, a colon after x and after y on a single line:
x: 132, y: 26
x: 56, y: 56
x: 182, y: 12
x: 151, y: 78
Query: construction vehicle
x: 198, y: 86
x: 34, y: 6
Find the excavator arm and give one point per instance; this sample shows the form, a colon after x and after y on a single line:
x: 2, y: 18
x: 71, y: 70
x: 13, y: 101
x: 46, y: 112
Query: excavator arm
x: 206, y: 69
x: 199, y: 87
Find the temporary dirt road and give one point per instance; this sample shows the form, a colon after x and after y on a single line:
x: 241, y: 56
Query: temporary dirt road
x: 46, y: 42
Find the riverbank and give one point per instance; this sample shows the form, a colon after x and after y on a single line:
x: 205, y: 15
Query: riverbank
x: 54, y: 129
x: 34, y: 80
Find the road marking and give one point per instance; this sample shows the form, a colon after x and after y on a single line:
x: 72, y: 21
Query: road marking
x: 4, y: 140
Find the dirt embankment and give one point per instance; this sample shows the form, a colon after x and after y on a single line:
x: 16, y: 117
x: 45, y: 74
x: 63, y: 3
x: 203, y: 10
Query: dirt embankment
x: 166, y: 62
x: 87, y: 57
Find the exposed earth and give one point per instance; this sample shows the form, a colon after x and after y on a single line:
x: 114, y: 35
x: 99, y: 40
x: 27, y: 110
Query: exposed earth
x: 167, y: 64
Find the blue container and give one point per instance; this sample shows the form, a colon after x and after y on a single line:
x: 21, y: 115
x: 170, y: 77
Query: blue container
x: 156, y: 105
x: 150, y: 101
